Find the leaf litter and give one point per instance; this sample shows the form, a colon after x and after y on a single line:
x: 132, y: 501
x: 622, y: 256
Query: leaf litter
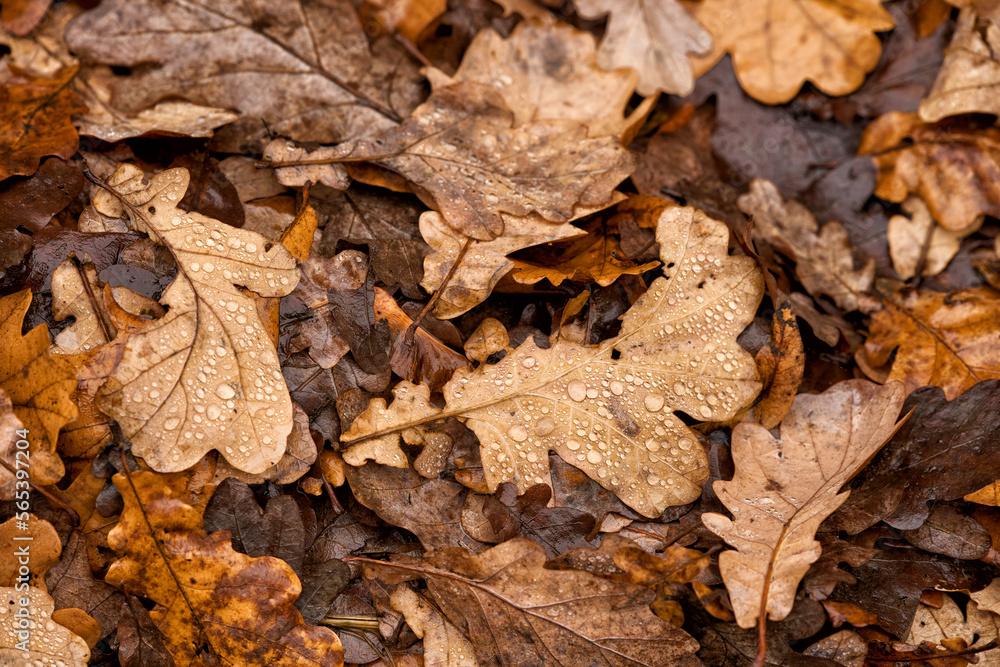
x: 366, y: 352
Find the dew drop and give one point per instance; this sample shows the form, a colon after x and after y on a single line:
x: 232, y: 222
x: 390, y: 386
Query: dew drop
x: 528, y: 362
x: 171, y: 423
x: 545, y: 426
x: 517, y: 433
x: 617, y: 388
x: 573, y: 445
x: 680, y: 389
x: 214, y: 411
x: 653, y: 402
x: 594, y: 456
x: 706, y: 411
x: 577, y: 390
x: 224, y: 391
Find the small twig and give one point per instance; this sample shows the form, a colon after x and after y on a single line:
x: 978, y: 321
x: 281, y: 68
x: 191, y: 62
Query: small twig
x: 412, y: 49
x: 369, y: 623
x: 57, y: 501
x: 412, y: 329
x: 334, y: 503
x: 972, y: 650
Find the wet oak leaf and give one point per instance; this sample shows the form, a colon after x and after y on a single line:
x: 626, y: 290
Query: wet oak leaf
x: 468, y: 159
x: 548, y: 72
x: 610, y: 409
x: 951, y: 165
x: 140, y: 641
x: 213, y: 604
x: 36, y: 112
x: 40, y: 386
x: 970, y: 75
x: 784, y: 488
x: 72, y: 584
x: 277, y: 66
x: 948, y: 340
x: 48, y: 642
x: 517, y: 612
x: 943, y: 452
x: 652, y: 37
x: 908, y: 237
x: 77, y: 292
x: 949, y: 532
x: 205, y: 376
x: 823, y: 259
x: 778, y: 46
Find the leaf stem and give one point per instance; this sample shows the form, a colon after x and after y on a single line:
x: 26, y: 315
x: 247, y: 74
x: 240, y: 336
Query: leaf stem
x: 56, y: 500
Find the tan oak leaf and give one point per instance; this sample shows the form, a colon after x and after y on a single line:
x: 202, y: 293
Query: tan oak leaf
x: 467, y: 157
x: 444, y: 644
x: 917, y: 242
x: 653, y: 37
x: 823, y: 259
x: 976, y: 627
x: 610, y: 409
x: 785, y: 487
x: 970, y: 74
x: 47, y: 642
x: 77, y: 292
x: 777, y: 46
x: 205, y: 376
x: 548, y: 72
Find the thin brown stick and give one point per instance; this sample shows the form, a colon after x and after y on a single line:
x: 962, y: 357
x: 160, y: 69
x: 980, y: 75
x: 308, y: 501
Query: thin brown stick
x: 412, y: 329
x: 972, y: 650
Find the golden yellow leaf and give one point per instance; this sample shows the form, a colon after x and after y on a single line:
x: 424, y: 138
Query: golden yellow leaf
x: 784, y: 488
x: 949, y: 340
x: 214, y: 605
x: 468, y: 158
x: 47, y: 642
x: 777, y: 46
x: 39, y: 385
x: 409, y: 18
x: 654, y: 37
x: 823, y: 260
x: 609, y: 409
x: 205, y: 376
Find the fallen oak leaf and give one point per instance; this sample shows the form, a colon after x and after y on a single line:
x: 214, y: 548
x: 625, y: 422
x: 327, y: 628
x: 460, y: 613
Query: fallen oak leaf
x: 823, y: 260
x: 548, y: 167
x: 609, y: 409
x: 40, y: 387
x: 278, y: 73
x: 777, y: 47
x: 918, y: 242
x: 968, y: 79
x: 36, y: 112
x: 212, y: 602
x: 517, y: 612
x: 948, y: 340
x: 205, y: 376
x: 77, y: 292
x: 950, y: 165
x: 409, y: 18
x: 47, y: 641
x: 653, y: 38
x: 548, y: 72
x: 784, y: 488
x: 976, y: 627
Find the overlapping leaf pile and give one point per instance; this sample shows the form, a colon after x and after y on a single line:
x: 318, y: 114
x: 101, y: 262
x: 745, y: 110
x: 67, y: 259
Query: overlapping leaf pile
x: 406, y: 332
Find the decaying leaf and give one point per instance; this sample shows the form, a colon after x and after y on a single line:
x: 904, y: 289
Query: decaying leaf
x: 409, y: 18
x: 548, y: 72
x: 784, y: 488
x: 952, y: 166
x: 823, y: 259
x: 47, y: 642
x: 444, y: 644
x: 609, y: 409
x: 277, y: 66
x: 212, y: 602
x: 975, y: 627
x: 517, y: 612
x: 9, y: 425
x: 653, y: 38
x: 548, y: 166
x: 846, y: 648
x: 778, y: 46
x: 39, y: 385
x: 918, y: 242
x: 781, y: 363
x: 933, y: 338
x: 206, y: 375
x: 36, y: 120
x: 968, y: 79
x: 942, y: 452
